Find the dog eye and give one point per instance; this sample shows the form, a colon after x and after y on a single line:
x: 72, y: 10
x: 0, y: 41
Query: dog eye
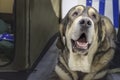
x: 94, y: 16
x: 75, y: 14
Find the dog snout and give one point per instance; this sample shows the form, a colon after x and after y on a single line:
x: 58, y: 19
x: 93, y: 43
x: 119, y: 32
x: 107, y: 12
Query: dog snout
x: 85, y: 22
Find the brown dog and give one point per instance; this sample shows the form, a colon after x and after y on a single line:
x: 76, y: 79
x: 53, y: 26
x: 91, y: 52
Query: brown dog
x: 87, y: 45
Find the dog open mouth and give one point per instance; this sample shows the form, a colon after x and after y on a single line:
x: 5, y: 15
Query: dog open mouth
x: 80, y: 44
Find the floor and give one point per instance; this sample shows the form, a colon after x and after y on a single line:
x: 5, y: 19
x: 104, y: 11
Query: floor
x: 46, y: 66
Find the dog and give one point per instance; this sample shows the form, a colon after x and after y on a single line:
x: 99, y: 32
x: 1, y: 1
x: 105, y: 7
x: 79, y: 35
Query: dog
x: 86, y: 43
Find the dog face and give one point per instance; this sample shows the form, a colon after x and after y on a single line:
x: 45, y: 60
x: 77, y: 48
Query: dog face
x: 82, y: 32
x: 80, y: 29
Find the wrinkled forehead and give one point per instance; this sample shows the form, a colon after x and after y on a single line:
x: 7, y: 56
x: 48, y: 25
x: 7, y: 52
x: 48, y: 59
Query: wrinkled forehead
x: 83, y: 9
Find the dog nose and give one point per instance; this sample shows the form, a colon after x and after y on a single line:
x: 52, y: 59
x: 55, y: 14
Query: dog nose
x: 85, y: 22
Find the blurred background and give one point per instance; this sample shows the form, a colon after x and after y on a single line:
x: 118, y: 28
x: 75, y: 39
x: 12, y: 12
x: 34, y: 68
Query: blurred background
x: 28, y: 28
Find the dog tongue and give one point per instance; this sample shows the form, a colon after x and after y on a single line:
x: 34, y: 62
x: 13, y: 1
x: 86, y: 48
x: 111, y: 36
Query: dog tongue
x: 81, y: 45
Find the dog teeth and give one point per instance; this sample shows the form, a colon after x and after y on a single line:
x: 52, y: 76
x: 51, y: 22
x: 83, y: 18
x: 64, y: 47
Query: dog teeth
x: 81, y: 45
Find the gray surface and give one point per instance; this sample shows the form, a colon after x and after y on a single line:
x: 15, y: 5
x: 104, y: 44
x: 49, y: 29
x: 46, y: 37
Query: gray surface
x: 46, y: 65
x: 113, y: 77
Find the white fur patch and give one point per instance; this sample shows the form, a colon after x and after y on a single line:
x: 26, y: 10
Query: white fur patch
x: 79, y: 63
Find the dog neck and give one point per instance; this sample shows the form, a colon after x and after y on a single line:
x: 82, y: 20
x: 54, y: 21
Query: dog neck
x: 79, y: 63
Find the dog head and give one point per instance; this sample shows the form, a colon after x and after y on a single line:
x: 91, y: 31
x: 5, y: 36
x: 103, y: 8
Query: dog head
x: 82, y: 30
x: 78, y: 29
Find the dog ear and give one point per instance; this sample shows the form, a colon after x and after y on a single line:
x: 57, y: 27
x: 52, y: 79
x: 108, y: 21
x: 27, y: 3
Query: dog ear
x: 108, y: 30
x: 108, y: 27
x: 62, y: 29
x: 60, y: 43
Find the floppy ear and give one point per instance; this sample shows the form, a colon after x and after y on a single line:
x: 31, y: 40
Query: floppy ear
x: 108, y: 27
x: 108, y: 30
x: 62, y: 28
